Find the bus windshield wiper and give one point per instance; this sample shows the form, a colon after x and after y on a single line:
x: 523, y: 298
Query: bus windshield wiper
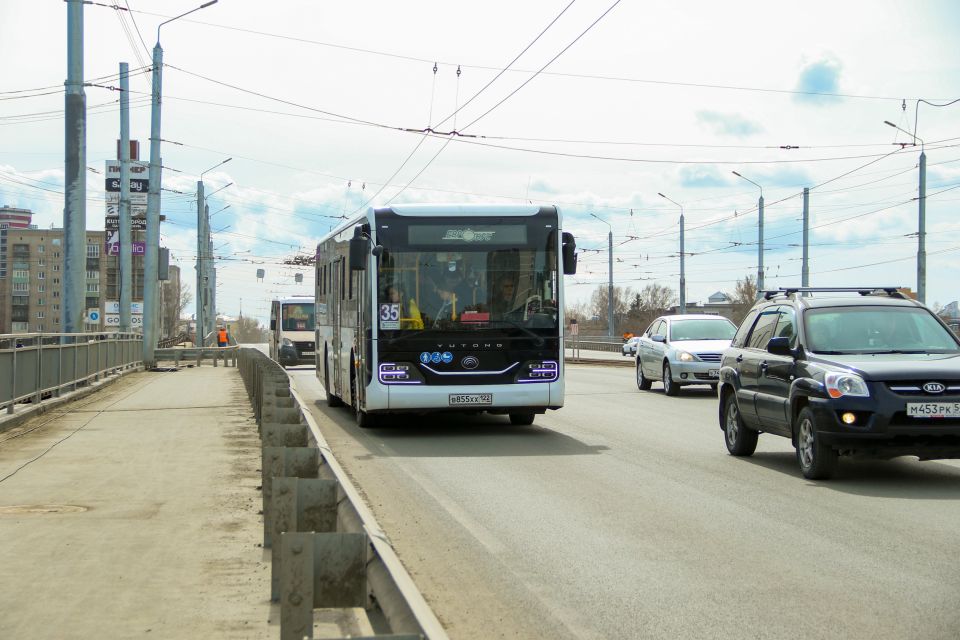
x: 538, y: 339
x: 406, y: 335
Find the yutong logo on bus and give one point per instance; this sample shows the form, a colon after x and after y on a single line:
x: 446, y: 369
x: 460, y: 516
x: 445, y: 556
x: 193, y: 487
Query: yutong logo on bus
x: 469, y: 235
x: 475, y: 345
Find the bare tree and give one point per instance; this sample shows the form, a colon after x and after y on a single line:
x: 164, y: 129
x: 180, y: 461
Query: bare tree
x: 744, y: 295
x: 598, y: 304
x: 249, y: 330
x: 184, y: 299
x: 651, y: 301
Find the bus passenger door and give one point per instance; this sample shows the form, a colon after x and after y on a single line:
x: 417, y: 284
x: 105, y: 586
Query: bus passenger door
x: 336, y: 379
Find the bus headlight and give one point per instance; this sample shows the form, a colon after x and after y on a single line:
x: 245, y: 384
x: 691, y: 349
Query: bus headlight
x: 398, y: 373
x: 539, y: 371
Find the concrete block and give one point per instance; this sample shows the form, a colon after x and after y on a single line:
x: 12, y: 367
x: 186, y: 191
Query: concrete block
x: 283, y: 462
x: 279, y: 415
x: 319, y: 570
x: 284, y: 435
x: 299, y: 505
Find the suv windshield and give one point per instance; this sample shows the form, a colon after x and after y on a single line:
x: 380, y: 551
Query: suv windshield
x: 878, y: 329
x: 467, y: 274
x: 701, y: 330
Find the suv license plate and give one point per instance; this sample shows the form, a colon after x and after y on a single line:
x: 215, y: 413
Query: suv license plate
x: 470, y: 399
x: 933, y: 409
x: 714, y: 373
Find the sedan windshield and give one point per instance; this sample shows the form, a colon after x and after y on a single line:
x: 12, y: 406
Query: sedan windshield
x: 717, y: 329
x: 877, y: 330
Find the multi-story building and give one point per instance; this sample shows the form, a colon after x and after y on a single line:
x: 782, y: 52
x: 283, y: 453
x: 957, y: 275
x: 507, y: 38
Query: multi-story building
x: 30, y: 291
x: 10, y: 218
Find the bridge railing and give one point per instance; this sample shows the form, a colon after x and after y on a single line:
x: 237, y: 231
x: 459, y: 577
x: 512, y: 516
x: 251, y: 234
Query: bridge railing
x: 198, y: 355
x: 38, y: 365
x: 594, y: 344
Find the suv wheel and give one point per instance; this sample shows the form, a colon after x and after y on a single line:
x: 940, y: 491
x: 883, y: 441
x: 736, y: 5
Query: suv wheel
x: 670, y: 387
x: 817, y: 461
x: 741, y: 440
x: 643, y: 382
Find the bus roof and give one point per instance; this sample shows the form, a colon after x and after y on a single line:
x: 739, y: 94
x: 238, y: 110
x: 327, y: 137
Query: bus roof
x: 439, y: 210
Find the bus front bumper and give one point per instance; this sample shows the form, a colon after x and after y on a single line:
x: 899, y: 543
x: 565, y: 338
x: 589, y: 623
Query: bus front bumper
x: 494, y: 398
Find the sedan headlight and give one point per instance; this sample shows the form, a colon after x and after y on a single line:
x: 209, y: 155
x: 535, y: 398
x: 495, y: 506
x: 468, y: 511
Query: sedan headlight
x: 845, y: 384
x: 683, y: 356
x: 287, y: 342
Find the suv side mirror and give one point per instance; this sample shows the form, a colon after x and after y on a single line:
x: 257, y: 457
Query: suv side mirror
x: 780, y: 346
x: 659, y: 338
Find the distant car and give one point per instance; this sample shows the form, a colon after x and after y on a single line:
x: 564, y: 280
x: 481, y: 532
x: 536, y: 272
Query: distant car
x: 630, y: 346
x: 681, y: 350
x: 875, y: 375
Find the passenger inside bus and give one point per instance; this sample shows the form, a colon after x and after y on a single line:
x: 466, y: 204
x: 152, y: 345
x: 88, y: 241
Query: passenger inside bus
x: 410, y: 317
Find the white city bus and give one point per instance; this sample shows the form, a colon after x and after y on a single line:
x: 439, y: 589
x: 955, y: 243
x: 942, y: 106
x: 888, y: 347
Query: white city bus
x: 444, y: 307
x: 292, y: 326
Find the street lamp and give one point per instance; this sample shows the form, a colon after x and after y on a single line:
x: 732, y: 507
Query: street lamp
x: 152, y: 251
x: 921, y: 218
x: 609, y: 275
x: 760, y: 234
x: 220, y: 211
x: 229, y: 184
x: 683, y: 277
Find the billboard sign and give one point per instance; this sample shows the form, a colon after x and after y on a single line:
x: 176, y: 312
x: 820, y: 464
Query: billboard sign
x: 112, y: 222
x: 112, y: 245
x: 113, y: 306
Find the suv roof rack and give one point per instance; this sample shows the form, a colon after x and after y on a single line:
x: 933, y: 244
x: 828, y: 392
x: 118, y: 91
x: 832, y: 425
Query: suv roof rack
x: 893, y: 292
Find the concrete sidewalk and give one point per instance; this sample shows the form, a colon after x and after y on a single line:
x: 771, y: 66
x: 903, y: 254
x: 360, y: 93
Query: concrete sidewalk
x: 134, y: 513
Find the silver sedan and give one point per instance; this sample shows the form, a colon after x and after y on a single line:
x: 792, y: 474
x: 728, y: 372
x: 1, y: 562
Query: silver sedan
x: 681, y: 350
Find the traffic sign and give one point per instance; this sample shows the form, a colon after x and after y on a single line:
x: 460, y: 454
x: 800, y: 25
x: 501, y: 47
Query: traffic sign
x: 93, y: 316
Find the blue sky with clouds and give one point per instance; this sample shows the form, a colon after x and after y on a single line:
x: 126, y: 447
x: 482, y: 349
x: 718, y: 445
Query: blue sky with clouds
x: 308, y: 100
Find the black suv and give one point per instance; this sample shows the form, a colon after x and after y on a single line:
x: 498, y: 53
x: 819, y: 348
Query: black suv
x: 875, y: 374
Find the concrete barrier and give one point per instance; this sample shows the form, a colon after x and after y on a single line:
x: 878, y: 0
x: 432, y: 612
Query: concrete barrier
x: 326, y: 547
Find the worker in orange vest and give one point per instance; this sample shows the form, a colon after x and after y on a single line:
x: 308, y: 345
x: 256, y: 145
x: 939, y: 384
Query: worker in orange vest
x: 222, y: 337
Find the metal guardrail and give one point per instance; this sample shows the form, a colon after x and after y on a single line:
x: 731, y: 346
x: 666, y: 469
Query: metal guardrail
x: 38, y: 365
x: 327, y: 549
x: 594, y: 344
x: 198, y: 354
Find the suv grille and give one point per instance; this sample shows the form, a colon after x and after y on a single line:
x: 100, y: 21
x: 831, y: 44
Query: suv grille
x: 708, y: 357
x: 303, y: 346
x: 915, y: 388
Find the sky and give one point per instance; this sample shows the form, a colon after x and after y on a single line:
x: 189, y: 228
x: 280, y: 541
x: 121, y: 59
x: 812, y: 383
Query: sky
x: 595, y: 106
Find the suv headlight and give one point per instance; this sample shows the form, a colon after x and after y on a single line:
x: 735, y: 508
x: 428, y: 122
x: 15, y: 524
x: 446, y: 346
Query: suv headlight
x: 845, y: 384
x: 683, y: 356
x: 287, y: 342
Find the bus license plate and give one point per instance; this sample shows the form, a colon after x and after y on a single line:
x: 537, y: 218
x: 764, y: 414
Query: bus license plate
x: 933, y: 409
x: 470, y: 399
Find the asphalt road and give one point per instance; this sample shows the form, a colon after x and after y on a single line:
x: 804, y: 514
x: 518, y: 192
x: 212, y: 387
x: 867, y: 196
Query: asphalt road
x: 622, y: 516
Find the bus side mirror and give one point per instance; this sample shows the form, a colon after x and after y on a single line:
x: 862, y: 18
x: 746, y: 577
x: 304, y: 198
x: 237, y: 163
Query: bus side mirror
x: 569, y: 252
x: 359, y: 250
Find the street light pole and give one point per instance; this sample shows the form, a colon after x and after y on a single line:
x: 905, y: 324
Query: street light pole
x: 75, y: 176
x: 760, y: 232
x: 922, y: 218
x: 151, y: 258
x: 683, y: 277
x: 609, y: 275
x: 203, y: 258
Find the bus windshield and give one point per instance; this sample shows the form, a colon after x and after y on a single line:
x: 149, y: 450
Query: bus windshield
x: 467, y: 274
x: 297, y: 317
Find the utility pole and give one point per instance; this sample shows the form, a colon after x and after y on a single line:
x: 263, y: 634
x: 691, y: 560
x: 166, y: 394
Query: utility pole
x: 609, y: 275
x: 760, y: 237
x: 151, y: 258
x: 126, y: 247
x: 683, y: 277
x: 922, y: 232
x: 922, y: 215
x: 683, y: 253
x: 805, y: 269
x: 75, y: 178
x: 201, y: 246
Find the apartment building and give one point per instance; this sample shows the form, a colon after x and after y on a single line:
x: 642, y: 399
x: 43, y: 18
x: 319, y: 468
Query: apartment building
x: 31, y: 282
